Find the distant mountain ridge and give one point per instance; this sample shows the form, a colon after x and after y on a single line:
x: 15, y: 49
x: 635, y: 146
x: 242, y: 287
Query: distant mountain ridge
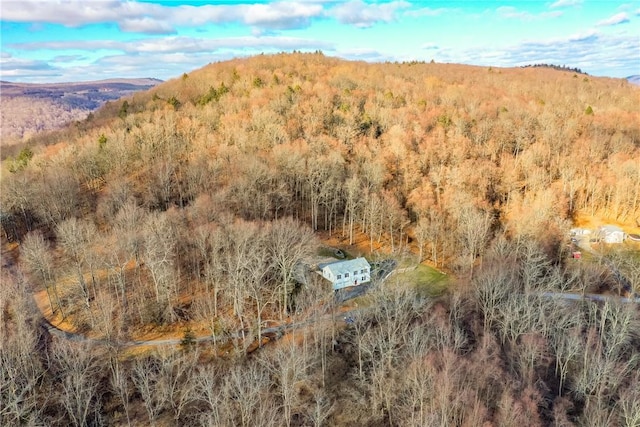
x: 635, y: 79
x: 136, y: 81
x: 10, y: 89
x: 28, y: 108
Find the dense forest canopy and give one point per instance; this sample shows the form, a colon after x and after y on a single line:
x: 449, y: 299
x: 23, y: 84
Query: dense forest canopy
x: 193, y: 204
x: 557, y: 67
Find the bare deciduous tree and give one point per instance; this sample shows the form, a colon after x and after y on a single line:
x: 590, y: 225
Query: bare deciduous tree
x: 473, y: 232
x: 16, y: 196
x: 245, y: 388
x: 21, y: 371
x: 629, y: 402
x: 78, y: 370
x: 352, y: 203
x: 288, y: 244
x: 57, y: 196
x: 289, y: 368
x: 147, y: 377
x: 321, y: 410
x: 208, y: 389
x: 37, y: 256
x: 75, y: 237
x: 119, y: 382
x: 493, y: 286
x: 159, y: 259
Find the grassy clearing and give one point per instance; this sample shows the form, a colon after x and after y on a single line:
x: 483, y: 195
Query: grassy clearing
x: 326, y: 252
x: 427, y: 280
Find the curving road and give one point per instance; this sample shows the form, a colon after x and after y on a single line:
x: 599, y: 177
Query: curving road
x: 589, y: 297
x: 269, y: 332
x: 340, y: 297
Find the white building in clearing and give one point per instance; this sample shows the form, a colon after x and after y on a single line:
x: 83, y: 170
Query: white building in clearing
x: 611, y: 234
x: 343, y: 274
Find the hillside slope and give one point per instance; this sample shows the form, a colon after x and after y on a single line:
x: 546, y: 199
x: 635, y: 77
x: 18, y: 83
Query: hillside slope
x: 441, y: 156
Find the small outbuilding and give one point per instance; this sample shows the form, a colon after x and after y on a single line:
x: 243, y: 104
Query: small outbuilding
x: 611, y: 234
x: 343, y: 274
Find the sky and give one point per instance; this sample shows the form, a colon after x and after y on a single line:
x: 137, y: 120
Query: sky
x: 79, y: 40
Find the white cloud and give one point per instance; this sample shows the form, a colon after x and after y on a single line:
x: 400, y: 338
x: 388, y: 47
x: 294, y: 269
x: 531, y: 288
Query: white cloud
x: 75, y: 13
x: 427, y: 11
x: 171, y: 58
x: 277, y: 15
x: 429, y: 46
x: 149, y: 18
x: 10, y: 62
x: 565, y: 3
x: 510, y: 12
x: 281, y: 15
x: 587, y: 36
x: 179, y: 44
x: 22, y: 67
x: 146, y: 25
x: 88, y: 45
x: 195, y: 16
x: 68, y: 58
x: 592, y: 52
x: 28, y: 75
x: 364, y: 15
x: 365, y: 54
x: 619, y: 18
x: 161, y: 57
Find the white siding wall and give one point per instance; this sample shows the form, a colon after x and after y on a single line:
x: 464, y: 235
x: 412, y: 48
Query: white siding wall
x: 359, y: 272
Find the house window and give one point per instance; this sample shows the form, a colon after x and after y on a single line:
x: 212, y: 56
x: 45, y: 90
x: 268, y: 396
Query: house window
x: 362, y: 271
x: 346, y: 275
x: 339, y: 276
x: 355, y: 272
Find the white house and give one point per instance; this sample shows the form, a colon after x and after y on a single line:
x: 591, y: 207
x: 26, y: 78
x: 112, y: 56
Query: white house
x: 343, y: 274
x: 611, y: 234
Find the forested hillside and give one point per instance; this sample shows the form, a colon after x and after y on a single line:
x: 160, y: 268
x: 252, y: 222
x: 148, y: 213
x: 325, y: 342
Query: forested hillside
x: 191, y: 206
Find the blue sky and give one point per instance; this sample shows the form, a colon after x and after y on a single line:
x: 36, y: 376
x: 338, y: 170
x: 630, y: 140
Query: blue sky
x: 73, y: 40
